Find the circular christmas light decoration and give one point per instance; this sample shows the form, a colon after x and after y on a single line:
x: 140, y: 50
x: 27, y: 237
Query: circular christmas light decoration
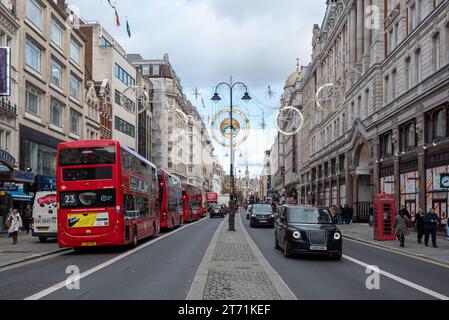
x: 222, y: 129
x: 329, y: 97
x: 135, y: 96
x: 290, y: 125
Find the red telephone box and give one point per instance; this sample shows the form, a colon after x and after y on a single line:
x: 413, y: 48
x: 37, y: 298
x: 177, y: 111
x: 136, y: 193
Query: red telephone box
x: 384, y: 216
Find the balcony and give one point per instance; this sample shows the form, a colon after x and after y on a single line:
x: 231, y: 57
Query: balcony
x: 7, y: 106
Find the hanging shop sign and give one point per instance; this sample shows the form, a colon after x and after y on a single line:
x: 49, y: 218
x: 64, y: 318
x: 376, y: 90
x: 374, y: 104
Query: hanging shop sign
x: 444, y: 181
x: 7, y: 159
x: 23, y: 176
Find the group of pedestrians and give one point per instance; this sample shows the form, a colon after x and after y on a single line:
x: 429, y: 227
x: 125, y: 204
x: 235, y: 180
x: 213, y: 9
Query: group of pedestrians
x: 17, y: 221
x: 341, y: 215
x: 426, y: 226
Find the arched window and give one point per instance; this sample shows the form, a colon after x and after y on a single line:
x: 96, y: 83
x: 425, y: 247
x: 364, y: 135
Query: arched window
x: 441, y: 124
x: 411, y: 136
x: 429, y: 129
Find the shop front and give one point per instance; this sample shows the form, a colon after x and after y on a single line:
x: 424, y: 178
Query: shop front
x: 12, y: 187
x: 437, y: 192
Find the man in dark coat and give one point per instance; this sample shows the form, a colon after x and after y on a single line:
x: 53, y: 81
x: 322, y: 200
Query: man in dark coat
x: 419, y: 224
x: 431, y: 221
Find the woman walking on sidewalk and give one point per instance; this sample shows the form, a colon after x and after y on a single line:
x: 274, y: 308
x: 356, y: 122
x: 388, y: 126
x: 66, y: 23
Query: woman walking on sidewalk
x: 419, y: 224
x: 16, y: 223
x: 400, y: 225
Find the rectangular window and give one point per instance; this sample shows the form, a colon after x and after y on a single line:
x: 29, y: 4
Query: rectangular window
x: 33, y: 55
x: 75, y: 52
x: 104, y: 42
x: 413, y: 17
x: 123, y: 76
x: 33, y: 100
x: 156, y: 70
x: 34, y: 13
x: 146, y: 71
x: 125, y: 127
x: 74, y: 87
x: 56, y: 33
x: 56, y: 73
x: 74, y: 122
x: 56, y: 114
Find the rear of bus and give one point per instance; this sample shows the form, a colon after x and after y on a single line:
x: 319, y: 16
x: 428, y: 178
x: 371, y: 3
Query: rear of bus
x: 163, y: 200
x: 186, y: 212
x: 88, y: 184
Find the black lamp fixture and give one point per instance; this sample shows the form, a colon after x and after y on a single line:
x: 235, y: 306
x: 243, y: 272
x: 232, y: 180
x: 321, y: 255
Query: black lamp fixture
x: 216, y: 97
x: 247, y: 97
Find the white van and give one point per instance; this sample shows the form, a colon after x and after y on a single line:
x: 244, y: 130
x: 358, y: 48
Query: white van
x: 45, y: 216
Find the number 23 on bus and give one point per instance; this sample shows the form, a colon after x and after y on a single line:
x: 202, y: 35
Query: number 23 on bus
x: 106, y: 193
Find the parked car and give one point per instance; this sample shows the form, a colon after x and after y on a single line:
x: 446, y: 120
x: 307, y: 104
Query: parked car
x: 216, y: 210
x: 261, y: 215
x: 307, y: 230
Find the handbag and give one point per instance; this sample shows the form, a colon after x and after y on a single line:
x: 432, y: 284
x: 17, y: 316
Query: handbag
x: 8, y: 223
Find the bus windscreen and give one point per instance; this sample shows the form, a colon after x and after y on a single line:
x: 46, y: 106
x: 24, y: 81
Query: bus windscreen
x: 87, y: 156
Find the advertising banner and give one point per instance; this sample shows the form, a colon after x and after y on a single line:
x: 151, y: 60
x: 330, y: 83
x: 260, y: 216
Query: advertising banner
x: 5, y: 71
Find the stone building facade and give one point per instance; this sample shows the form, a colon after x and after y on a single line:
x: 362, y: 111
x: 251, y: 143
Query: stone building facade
x: 386, y: 127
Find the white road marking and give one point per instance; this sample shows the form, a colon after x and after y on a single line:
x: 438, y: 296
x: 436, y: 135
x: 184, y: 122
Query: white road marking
x: 420, y: 257
x: 401, y: 280
x: 106, y: 264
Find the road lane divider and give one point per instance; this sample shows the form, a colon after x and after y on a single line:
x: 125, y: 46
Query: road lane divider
x: 108, y: 263
x: 400, y: 280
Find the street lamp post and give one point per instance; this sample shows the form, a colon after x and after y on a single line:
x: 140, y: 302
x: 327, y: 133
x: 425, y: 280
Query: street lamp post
x: 216, y: 98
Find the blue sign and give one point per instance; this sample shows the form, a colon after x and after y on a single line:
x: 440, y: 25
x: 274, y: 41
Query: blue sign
x: 5, y: 71
x: 7, y: 159
x: 22, y: 176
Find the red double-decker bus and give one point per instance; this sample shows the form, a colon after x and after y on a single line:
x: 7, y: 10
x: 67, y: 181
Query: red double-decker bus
x: 106, y: 194
x: 193, y: 203
x: 170, y: 198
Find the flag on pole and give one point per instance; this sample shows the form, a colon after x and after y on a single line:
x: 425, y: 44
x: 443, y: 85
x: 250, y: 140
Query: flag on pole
x: 113, y: 7
x: 117, y: 19
x: 128, y: 29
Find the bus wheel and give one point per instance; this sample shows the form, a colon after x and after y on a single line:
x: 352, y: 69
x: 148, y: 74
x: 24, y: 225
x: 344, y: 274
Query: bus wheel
x: 135, y: 238
x: 155, y: 232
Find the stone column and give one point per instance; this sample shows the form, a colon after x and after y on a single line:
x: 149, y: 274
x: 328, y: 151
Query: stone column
x: 422, y: 179
x: 376, y: 166
x: 353, y: 41
x: 397, y: 182
x: 349, y: 186
x: 355, y: 195
x: 367, y: 38
x: 360, y: 33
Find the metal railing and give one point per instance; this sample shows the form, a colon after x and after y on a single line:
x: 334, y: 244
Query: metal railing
x: 5, y: 104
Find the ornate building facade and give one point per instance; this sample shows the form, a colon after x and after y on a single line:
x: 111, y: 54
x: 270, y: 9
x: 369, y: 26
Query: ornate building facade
x: 385, y: 129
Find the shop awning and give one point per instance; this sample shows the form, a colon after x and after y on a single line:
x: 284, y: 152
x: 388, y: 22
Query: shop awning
x: 19, y: 196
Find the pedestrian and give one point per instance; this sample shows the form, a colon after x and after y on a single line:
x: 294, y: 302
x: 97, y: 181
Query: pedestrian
x: 419, y: 225
x: 431, y: 221
x: 350, y: 215
x: 406, y: 213
x: 15, y: 222
x: 333, y: 213
x: 345, y: 214
x: 27, y: 216
x: 400, y: 227
x: 339, y: 215
x: 371, y: 215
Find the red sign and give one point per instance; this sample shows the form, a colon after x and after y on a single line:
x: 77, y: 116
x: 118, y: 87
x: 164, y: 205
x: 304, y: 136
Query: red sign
x: 46, y: 200
x: 212, y: 197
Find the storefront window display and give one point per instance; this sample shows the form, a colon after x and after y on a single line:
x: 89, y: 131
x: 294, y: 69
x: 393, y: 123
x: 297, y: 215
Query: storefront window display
x: 40, y: 158
x: 327, y: 197
x: 436, y: 196
x: 343, y: 195
x: 387, y: 184
x: 410, y: 192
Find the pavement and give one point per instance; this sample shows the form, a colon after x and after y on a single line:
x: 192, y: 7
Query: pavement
x: 233, y: 268
x: 28, y: 248
x: 364, y: 233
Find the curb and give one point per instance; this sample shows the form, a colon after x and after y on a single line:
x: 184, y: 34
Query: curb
x: 422, y: 257
x: 278, y: 283
x: 198, y: 286
x: 31, y: 258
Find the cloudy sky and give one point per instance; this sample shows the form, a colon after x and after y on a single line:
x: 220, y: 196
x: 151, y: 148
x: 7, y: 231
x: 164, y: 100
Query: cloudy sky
x: 255, y: 41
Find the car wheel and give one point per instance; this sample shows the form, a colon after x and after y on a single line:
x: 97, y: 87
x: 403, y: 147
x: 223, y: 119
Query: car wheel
x: 287, y: 252
x: 276, y: 243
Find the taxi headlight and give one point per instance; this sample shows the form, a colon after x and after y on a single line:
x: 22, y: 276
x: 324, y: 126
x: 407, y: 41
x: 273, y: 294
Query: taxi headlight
x: 297, y: 235
x: 337, y: 236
